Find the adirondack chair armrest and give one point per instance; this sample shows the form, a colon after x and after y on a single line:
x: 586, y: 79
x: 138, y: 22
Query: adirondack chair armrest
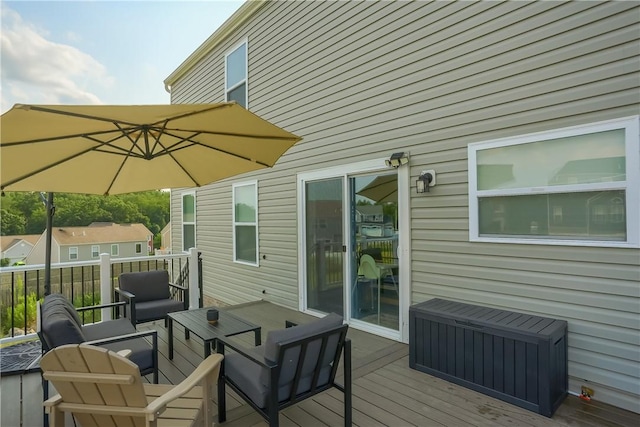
x: 52, y: 401
x: 124, y: 353
x: 211, y: 365
x: 250, y: 353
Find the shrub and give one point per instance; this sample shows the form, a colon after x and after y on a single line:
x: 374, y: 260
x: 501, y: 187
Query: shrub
x: 16, y: 313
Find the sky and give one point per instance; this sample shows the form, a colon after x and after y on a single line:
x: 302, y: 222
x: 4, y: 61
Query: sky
x: 99, y: 52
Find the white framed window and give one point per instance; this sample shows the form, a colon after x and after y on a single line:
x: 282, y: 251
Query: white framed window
x: 115, y: 249
x: 138, y: 248
x: 235, y: 75
x: 571, y: 186
x: 245, y: 223
x: 73, y: 253
x: 95, y: 251
x: 188, y: 220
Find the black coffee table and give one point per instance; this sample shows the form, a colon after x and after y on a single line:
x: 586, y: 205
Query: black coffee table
x: 195, y: 321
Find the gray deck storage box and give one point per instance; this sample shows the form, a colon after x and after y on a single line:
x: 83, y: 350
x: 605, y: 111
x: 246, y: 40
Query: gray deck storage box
x: 515, y: 357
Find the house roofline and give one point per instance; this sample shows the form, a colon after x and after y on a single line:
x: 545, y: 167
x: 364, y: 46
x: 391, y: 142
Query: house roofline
x: 229, y: 26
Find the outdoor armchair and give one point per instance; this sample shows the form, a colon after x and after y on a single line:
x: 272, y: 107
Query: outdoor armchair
x: 294, y: 364
x: 151, y: 296
x: 103, y: 388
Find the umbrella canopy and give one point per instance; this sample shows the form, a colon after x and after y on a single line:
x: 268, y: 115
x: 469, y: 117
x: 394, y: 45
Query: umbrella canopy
x: 107, y: 149
x: 383, y: 188
x: 115, y: 149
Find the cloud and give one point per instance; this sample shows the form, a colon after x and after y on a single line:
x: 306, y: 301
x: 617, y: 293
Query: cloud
x: 36, y: 70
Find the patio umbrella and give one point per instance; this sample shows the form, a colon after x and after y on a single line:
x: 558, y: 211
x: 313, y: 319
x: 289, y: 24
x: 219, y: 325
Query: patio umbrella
x: 383, y: 188
x: 115, y: 149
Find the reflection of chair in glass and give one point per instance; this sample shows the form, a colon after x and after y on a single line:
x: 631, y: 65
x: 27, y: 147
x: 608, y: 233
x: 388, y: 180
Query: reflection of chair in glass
x: 372, y: 271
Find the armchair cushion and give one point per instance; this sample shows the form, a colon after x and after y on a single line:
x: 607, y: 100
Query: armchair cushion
x: 147, y: 285
x: 157, y: 309
x: 141, y: 351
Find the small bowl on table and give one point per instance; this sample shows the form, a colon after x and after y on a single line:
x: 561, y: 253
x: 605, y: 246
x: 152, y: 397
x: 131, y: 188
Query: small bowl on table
x: 212, y: 316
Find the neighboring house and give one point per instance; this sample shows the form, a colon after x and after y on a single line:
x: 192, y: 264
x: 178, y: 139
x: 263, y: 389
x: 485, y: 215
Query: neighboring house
x: 16, y: 248
x: 499, y: 99
x: 165, y: 240
x: 70, y: 244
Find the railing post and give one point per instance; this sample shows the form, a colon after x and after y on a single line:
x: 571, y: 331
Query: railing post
x: 105, y: 284
x: 194, y: 287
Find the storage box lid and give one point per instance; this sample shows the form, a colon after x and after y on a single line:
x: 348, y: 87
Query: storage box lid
x: 476, y: 316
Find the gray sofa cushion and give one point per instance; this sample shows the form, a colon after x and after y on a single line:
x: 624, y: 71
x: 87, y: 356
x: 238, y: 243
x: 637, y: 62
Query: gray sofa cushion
x: 141, y: 349
x: 146, y: 285
x: 60, y: 322
x: 60, y: 300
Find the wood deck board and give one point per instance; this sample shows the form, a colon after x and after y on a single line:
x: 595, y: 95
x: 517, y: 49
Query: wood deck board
x: 386, y: 392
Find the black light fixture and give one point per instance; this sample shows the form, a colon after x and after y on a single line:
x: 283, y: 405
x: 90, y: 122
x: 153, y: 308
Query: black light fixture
x: 397, y: 159
x: 425, y: 180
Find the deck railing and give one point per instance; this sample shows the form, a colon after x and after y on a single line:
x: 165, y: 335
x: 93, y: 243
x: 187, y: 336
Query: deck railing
x: 84, y: 283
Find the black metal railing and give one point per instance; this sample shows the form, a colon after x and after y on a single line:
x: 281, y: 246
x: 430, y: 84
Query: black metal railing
x: 22, y: 286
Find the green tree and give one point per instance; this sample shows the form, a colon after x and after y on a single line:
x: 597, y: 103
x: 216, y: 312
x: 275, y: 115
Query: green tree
x: 150, y: 208
x: 11, y: 223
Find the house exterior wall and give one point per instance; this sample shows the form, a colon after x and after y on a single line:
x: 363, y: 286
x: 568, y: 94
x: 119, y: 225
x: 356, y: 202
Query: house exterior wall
x: 38, y: 253
x: 361, y: 80
x: 17, y: 252
x: 125, y: 250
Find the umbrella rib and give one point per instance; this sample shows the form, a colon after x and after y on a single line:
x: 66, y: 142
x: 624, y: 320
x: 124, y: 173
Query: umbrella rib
x: 134, y: 144
x: 82, y: 116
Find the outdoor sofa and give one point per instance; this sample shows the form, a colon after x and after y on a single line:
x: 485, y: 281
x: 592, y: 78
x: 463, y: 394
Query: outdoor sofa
x: 59, y: 324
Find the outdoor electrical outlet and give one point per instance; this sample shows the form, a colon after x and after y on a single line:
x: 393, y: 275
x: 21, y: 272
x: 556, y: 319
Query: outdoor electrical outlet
x: 587, y: 391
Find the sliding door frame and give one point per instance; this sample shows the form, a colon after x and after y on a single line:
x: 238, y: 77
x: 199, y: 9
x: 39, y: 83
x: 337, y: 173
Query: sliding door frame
x: 404, y: 253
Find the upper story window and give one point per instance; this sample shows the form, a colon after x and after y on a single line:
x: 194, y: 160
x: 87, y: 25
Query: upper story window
x: 245, y: 223
x: 115, y: 249
x: 188, y: 220
x: 236, y: 75
x: 73, y: 253
x: 138, y: 248
x: 573, y: 186
x: 95, y: 251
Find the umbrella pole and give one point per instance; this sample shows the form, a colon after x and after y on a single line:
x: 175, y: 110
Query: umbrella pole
x: 50, y: 207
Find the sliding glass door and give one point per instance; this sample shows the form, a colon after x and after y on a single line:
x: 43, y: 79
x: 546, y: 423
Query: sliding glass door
x: 350, y: 233
x: 375, y: 279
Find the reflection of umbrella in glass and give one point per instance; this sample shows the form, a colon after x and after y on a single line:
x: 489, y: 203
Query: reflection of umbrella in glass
x: 383, y: 188
x: 107, y: 149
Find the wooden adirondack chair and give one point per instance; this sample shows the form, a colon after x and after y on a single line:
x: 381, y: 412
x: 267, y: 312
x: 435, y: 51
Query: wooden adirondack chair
x: 103, y: 388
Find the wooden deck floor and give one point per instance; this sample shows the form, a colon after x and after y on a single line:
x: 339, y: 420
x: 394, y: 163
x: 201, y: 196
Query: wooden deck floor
x: 386, y: 392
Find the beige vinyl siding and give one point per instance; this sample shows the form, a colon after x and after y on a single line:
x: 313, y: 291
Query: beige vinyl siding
x: 361, y: 80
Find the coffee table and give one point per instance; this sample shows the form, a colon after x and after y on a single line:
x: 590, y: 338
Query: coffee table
x: 195, y: 321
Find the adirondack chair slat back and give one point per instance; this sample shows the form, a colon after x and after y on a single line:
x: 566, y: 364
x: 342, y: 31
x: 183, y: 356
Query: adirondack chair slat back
x: 108, y: 388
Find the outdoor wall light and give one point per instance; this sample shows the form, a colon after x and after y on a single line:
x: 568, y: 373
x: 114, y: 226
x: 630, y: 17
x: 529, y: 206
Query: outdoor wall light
x: 425, y: 180
x: 397, y: 159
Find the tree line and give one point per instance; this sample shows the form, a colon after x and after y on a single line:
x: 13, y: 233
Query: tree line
x: 25, y: 213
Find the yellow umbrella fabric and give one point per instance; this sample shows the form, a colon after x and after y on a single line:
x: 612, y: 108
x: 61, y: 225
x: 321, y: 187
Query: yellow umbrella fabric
x: 115, y: 149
